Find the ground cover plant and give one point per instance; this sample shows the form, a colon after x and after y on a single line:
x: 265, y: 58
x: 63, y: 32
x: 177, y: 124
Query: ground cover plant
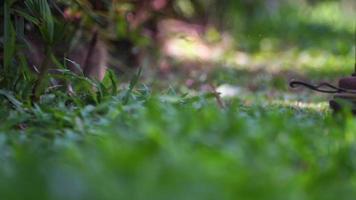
x: 144, y: 135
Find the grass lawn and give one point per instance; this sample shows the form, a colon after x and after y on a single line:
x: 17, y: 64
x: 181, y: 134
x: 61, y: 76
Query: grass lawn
x: 173, y: 148
x: 266, y: 142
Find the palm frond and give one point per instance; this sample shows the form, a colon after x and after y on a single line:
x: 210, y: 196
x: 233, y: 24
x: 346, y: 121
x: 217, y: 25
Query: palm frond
x: 41, y: 12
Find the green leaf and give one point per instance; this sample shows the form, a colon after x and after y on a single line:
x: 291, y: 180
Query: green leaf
x: 9, y: 37
x: 76, y: 65
x: 42, y: 12
x: 28, y: 17
x: 12, y: 99
x: 113, y: 82
x: 132, y: 85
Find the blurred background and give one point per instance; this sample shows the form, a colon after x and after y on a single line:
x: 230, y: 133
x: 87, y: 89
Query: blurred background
x: 236, y: 46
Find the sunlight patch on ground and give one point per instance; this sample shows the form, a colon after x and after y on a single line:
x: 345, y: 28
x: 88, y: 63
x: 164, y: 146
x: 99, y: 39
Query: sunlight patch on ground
x: 188, y: 42
x: 192, y: 48
x: 227, y: 90
x: 292, y: 59
x: 315, y: 106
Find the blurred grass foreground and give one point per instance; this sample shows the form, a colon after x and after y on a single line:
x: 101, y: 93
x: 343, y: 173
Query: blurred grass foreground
x: 195, y: 102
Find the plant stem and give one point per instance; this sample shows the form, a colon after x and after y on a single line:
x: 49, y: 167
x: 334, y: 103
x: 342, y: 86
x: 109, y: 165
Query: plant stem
x: 40, y: 84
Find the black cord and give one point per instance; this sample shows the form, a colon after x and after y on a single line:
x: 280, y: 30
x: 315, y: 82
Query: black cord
x: 322, y: 87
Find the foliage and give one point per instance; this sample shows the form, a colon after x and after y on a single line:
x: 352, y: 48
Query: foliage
x: 159, y: 147
x: 160, y: 138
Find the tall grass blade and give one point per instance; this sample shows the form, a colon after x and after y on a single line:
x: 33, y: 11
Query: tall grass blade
x: 16, y: 103
x: 9, y: 38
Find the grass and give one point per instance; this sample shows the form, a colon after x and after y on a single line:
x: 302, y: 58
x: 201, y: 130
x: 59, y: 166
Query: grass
x: 166, y: 147
x: 145, y: 142
x: 154, y: 149
x: 163, y: 148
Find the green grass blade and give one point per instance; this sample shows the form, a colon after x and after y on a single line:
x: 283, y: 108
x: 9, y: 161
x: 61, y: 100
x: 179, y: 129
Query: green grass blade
x: 17, y: 104
x: 9, y: 38
x: 28, y: 17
